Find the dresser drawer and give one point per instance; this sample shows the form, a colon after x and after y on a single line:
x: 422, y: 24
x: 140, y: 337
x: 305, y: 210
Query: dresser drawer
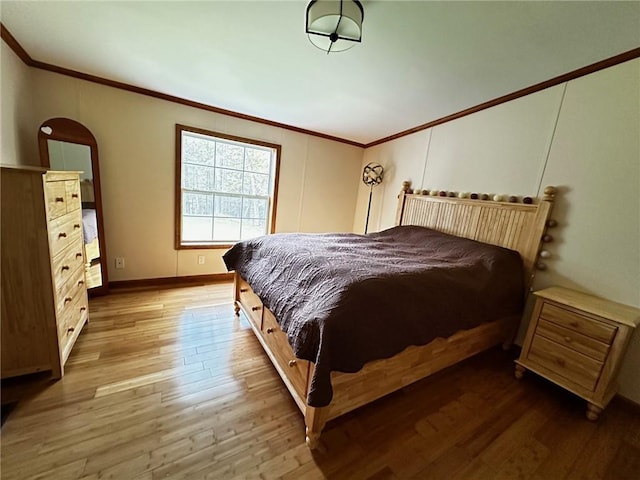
x: 64, y: 231
x: 578, y: 323
x: 565, y: 362
x: 71, y: 322
x: 573, y: 340
x: 70, y: 291
x: 55, y: 199
x: 251, y: 302
x: 296, y: 370
x: 66, y: 262
x: 72, y: 195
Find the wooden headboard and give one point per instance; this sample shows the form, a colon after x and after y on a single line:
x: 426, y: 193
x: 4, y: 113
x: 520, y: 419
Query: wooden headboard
x: 514, y: 225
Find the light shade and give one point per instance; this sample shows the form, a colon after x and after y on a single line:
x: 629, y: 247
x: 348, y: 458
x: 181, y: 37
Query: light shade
x: 334, y: 25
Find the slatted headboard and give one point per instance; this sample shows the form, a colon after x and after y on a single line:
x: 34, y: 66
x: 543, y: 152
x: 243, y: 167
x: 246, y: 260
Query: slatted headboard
x: 517, y: 226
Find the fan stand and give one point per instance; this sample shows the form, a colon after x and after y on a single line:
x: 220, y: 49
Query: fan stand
x: 366, y: 225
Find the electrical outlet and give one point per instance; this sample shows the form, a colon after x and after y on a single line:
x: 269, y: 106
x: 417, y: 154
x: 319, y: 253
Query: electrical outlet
x: 200, y: 259
x: 119, y: 262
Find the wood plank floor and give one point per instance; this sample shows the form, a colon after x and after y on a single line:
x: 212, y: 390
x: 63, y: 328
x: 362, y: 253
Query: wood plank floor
x: 170, y: 384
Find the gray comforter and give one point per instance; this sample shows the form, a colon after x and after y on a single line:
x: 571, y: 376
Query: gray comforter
x: 347, y: 299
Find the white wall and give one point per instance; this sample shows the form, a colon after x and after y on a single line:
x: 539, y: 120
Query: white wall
x: 585, y: 140
x: 70, y: 156
x: 16, y: 106
x: 136, y: 136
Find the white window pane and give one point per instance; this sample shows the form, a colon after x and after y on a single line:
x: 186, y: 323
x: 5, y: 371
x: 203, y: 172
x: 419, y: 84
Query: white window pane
x: 197, y: 204
x: 258, y: 161
x: 255, y: 208
x: 196, y: 229
x: 229, y: 156
x: 252, y: 228
x: 226, y: 188
x: 226, y: 206
x: 255, y: 184
x: 198, y: 150
x: 196, y: 177
x: 226, y: 229
x: 228, y: 181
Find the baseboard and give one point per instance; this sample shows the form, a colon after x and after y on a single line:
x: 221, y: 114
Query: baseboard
x: 171, y: 281
x: 627, y: 402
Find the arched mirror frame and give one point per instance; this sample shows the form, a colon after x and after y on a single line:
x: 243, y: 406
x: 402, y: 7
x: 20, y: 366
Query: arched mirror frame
x: 67, y: 130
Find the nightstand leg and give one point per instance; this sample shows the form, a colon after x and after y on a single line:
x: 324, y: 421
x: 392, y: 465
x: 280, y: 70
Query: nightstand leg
x: 236, y: 307
x: 519, y: 373
x: 593, y: 412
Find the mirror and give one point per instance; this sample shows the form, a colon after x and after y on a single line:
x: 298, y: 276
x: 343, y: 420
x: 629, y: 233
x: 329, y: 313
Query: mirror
x: 68, y: 145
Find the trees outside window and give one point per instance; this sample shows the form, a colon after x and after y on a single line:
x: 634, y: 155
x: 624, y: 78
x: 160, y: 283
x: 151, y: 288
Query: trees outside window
x: 225, y: 188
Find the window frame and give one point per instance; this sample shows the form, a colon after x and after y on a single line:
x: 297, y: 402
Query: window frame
x: 273, y: 199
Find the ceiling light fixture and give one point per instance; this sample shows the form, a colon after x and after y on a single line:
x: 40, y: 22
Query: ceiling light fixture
x: 334, y: 25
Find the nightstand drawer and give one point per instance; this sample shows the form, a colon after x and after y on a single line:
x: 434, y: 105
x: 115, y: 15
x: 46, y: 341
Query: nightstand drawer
x: 565, y: 362
x: 575, y: 341
x: 578, y: 323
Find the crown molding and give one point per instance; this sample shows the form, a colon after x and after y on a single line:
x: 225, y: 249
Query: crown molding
x: 580, y: 72
x: 11, y: 41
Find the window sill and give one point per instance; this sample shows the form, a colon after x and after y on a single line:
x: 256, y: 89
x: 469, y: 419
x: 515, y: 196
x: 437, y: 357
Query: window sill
x: 205, y: 246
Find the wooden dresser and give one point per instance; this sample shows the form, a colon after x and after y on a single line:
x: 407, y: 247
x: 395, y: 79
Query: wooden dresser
x: 578, y: 342
x: 44, y: 295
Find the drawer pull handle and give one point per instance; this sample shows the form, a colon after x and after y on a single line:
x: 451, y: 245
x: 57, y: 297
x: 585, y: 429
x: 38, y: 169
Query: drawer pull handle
x: 567, y: 339
x: 59, y: 199
x: 243, y: 290
x: 560, y: 362
x: 76, y: 225
x: 62, y: 235
x: 68, y: 299
x: 574, y: 324
x: 65, y: 267
x: 74, y: 195
x: 292, y: 363
x: 78, y: 255
x: 81, y: 282
x: 82, y: 309
x: 255, y: 308
x: 71, y: 329
x: 269, y: 330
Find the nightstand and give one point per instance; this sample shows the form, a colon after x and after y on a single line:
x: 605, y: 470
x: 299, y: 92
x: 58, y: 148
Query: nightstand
x: 578, y: 341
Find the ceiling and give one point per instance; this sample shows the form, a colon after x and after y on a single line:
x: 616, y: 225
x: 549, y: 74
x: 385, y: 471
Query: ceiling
x: 418, y: 62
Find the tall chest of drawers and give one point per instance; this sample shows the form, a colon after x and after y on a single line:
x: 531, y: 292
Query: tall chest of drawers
x: 44, y: 295
x: 578, y: 341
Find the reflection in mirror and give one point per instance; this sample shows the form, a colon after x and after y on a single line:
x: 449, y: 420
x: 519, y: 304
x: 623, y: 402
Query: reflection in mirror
x: 68, y: 145
x: 73, y: 156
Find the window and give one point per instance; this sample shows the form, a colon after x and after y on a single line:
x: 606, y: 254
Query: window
x: 226, y: 188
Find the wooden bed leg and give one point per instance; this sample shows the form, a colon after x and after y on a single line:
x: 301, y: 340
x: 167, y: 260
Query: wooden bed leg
x: 512, y: 332
x: 314, y: 419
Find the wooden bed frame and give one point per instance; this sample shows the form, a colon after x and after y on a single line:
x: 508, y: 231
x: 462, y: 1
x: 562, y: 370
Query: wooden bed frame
x: 517, y: 226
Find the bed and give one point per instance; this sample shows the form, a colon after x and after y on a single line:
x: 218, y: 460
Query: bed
x: 345, y: 343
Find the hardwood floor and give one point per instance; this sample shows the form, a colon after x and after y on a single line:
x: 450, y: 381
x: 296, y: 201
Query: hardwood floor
x: 169, y: 384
